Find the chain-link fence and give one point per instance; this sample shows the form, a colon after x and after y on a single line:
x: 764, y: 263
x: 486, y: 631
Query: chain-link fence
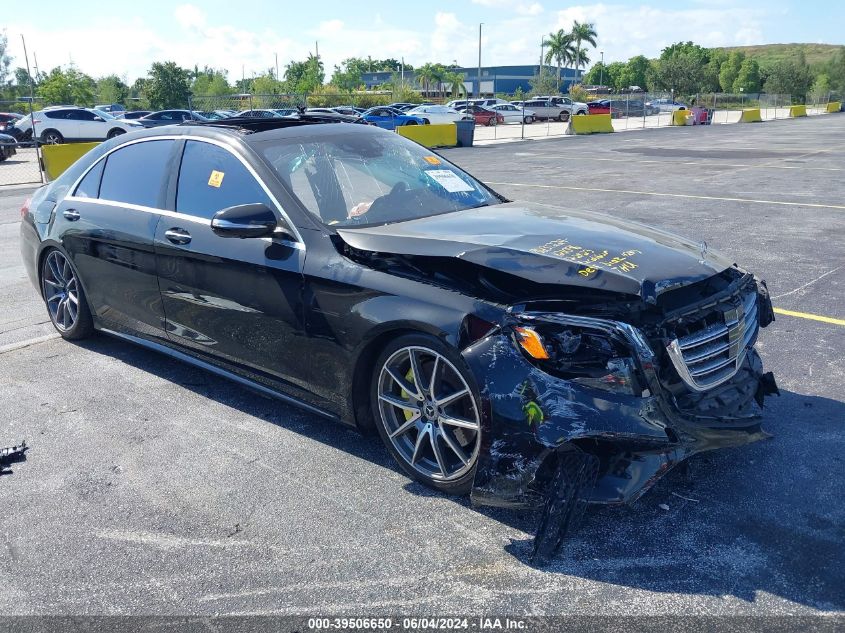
x: 19, y: 160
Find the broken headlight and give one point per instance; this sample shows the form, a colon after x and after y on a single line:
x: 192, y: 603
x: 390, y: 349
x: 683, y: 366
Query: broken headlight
x: 586, y: 356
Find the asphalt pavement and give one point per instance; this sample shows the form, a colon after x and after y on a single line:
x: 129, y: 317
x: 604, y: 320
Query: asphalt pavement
x: 153, y: 487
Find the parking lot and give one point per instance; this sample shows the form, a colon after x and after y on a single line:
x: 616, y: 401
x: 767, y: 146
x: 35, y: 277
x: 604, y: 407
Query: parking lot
x: 152, y: 487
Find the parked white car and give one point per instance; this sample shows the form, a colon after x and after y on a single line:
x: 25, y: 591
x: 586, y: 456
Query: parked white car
x: 58, y: 125
x: 437, y: 114
x: 512, y: 114
x: 544, y: 109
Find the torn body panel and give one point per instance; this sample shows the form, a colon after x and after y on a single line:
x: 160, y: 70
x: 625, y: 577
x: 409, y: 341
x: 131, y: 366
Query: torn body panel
x: 531, y: 415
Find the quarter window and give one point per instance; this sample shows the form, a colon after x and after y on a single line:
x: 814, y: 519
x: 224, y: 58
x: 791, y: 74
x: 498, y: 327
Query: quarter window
x: 212, y: 178
x: 135, y: 173
x: 90, y: 185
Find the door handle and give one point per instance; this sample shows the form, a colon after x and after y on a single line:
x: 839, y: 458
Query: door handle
x: 178, y: 236
x: 71, y: 214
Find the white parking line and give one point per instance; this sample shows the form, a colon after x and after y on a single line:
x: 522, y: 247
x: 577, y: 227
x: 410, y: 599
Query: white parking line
x: 11, y: 347
x: 814, y: 205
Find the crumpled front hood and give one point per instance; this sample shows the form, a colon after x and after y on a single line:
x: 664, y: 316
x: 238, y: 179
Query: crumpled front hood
x: 549, y: 245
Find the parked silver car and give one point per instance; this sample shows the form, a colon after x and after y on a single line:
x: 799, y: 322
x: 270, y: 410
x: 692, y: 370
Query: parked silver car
x: 544, y: 109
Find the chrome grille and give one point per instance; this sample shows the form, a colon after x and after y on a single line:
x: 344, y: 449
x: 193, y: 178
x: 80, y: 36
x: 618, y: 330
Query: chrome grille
x: 713, y: 354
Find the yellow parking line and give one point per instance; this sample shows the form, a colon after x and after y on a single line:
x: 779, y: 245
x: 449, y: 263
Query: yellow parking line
x: 813, y: 317
x: 814, y: 205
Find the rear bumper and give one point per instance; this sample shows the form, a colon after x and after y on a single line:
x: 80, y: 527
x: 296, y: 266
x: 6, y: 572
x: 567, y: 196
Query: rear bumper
x: 636, y: 440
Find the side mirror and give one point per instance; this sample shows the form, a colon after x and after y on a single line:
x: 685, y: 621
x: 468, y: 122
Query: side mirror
x: 245, y: 220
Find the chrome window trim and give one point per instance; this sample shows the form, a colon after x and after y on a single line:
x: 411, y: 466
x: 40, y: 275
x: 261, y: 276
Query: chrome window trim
x: 175, y: 214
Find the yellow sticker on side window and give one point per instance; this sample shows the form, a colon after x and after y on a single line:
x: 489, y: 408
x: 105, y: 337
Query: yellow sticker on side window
x: 216, y: 178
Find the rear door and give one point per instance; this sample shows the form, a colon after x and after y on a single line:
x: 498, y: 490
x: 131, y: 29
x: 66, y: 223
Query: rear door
x: 90, y: 126
x: 238, y: 300
x: 107, y: 227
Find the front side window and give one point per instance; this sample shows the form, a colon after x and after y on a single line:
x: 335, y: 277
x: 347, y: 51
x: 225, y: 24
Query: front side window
x: 135, y: 174
x: 212, y: 178
x: 351, y: 178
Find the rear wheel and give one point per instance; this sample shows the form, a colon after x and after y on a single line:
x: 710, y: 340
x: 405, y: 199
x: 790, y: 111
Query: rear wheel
x: 564, y: 116
x: 426, y: 411
x: 491, y: 121
x: 52, y: 137
x: 65, y: 298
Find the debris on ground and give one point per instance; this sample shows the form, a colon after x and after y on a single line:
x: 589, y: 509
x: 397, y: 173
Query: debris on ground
x: 12, y: 455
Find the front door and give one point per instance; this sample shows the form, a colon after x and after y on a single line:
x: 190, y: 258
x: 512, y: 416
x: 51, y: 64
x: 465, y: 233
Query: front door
x: 238, y: 300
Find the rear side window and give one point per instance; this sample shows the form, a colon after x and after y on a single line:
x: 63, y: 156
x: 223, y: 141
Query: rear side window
x: 135, y: 173
x: 211, y: 179
x: 90, y: 185
x: 56, y: 114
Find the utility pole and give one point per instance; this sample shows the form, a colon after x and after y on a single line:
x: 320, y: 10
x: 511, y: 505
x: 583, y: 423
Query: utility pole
x: 601, y: 70
x: 35, y: 65
x: 402, y: 74
x: 479, y: 58
x: 277, y: 65
x: 31, y: 115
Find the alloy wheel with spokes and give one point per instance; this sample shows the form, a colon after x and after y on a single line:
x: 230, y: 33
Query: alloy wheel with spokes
x: 61, y: 291
x: 429, y: 414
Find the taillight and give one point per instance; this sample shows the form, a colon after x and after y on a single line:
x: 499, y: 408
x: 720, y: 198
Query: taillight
x: 25, y: 207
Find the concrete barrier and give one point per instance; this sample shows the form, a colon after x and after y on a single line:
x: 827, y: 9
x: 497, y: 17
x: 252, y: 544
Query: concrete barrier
x: 57, y: 158
x: 751, y: 115
x: 797, y: 111
x: 589, y: 124
x: 431, y: 135
x: 834, y: 106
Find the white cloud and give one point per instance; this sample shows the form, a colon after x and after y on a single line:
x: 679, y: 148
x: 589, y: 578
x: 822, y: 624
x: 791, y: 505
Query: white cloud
x: 511, y: 35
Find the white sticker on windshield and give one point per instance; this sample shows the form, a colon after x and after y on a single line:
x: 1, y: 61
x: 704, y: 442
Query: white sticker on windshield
x: 449, y: 180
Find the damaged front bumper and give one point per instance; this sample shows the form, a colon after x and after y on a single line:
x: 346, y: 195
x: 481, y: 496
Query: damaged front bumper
x: 530, y: 419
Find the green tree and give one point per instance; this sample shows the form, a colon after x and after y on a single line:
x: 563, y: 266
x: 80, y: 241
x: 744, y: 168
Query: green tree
x: 712, y: 70
x: 454, y: 83
x: 582, y: 32
x: 729, y: 70
x: 789, y: 77
x: 597, y: 74
x: 305, y: 76
x: 168, y: 86
x: 5, y: 59
x: 267, y: 84
x: 836, y: 70
x: 635, y: 72
x: 347, y: 76
x: 67, y: 87
x: 748, y: 79
x: 212, y: 82
x: 680, y: 74
x: 111, y: 89
x: 821, y: 85
x: 560, y: 49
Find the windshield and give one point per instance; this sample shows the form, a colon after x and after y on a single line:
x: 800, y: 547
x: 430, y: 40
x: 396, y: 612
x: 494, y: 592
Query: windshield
x: 353, y: 179
x: 102, y: 114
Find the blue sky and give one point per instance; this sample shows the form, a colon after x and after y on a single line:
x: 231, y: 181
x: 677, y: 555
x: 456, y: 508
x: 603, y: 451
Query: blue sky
x: 125, y: 39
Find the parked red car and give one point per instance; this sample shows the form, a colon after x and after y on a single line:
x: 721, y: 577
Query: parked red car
x: 603, y: 106
x: 483, y: 116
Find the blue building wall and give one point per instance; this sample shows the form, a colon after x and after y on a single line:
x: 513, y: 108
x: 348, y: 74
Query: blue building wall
x: 506, y: 79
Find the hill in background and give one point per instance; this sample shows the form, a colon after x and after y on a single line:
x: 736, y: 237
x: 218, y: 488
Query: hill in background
x: 768, y: 54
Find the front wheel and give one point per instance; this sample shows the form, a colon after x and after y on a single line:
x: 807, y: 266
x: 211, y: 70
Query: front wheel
x: 529, y: 120
x: 427, y: 413
x: 564, y: 117
x: 65, y: 299
x: 491, y: 122
x: 116, y: 132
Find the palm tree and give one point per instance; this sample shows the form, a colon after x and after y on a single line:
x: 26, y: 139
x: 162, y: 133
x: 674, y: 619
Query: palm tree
x: 560, y: 49
x: 580, y: 57
x: 425, y: 74
x: 585, y: 32
x: 455, y: 84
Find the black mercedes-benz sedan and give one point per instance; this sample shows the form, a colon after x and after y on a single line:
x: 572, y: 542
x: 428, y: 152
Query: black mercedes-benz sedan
x: 540, y: 358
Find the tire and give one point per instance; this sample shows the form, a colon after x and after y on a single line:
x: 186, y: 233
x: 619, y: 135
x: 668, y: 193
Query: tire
x: 580, y: 112
x: 574, y: 476
x: 426, y: 122
x: 491, y: 122
x: 411, y: 123
x: 435, y: 442
x: 115, y: 132
x: 529, y: 120
x: 563, y: 117
x: 64, y: 297
x: 52, y: 137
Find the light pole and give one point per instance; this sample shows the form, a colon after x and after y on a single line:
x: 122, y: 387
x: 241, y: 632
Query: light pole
x: 480, y: 24
x: 601, y: 70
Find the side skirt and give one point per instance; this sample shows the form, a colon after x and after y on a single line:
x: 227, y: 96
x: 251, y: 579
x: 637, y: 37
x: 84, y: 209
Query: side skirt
x: 219, y: 371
